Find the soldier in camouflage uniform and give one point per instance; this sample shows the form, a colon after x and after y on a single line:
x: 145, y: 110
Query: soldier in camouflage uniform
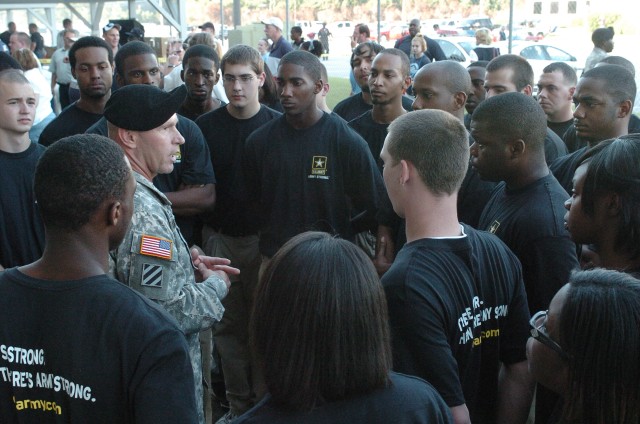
x: 154, y: 258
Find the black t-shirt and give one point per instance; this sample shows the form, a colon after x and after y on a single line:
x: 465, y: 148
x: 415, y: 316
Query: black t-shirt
x: 560, y: 127
x: 192, y: 168
x: 21, y: 228
x: 71, y: 121
x: 89, y: 351
x: 530, y: 221
x: 564, y: 168
x: 373, y: 133
x: 457, y: 309
x: 38, y: 51
x: 354, y: 106
x: 225, y: 137
x: 406, y: 400
x: 634, y: 124
x: 434, y: 51
x: 309, y: 179
x: 554, y: 147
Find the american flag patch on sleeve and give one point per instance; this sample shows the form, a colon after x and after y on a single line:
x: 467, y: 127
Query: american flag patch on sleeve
x: 155, y: 246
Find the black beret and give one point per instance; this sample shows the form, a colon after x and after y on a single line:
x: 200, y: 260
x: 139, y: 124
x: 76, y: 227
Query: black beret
x: 141, y: 107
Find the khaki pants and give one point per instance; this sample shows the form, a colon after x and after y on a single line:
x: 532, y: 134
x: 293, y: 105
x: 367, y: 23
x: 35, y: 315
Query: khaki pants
x: 244, y: 384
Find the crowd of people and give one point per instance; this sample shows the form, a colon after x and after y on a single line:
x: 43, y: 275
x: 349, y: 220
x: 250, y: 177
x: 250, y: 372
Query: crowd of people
x: 465, y: 253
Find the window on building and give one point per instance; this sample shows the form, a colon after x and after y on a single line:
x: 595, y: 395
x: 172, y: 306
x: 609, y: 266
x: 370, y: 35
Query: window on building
x: 572, y: 6
x: 554, y: 7
x: 537, y: 8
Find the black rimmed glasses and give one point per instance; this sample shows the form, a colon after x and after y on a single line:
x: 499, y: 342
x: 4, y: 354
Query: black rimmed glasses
x: 539, y: 332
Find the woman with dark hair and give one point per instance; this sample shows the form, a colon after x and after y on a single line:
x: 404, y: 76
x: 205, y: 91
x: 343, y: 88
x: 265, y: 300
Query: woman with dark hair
x: 320, y: 332
x: 585, y: 347
x: 313, y: 46
x: 269, y: 92
x: 604, y: 207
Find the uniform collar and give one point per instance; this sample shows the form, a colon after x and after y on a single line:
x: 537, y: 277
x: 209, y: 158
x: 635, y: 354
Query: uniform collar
x: 142, y: 181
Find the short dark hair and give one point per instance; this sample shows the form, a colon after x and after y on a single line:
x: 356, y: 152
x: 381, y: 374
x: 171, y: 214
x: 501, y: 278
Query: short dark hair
x: 404, y: 59
x: 601, y: 35
x: 75, y: 175
x: 599, y: 329
x: 442, y: 158
x: 614, y: 167
x: 66, y: 21
x: 373, y: 48
x: 309, y: 62
x: 201, y: 50
x: 89, y: 41
x: 132, y: 48
x: 568, y: 73
x: 364, y: 29
x: 522, y: 70
x: 296, y: 29
x: 8, y: 62
x: 479, y: 64
x: 620, y: 61
x: 513, y: 116
x: 319, y: 324
x: 243, y: 55
x: 619, y: 83
x: 313, y: 46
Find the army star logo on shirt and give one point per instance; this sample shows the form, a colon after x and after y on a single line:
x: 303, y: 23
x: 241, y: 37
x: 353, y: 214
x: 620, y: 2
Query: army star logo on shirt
x: 319, y: 167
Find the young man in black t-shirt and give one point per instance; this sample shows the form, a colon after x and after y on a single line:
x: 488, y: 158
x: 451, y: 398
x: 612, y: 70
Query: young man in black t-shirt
x: 604, y: 103
x: 457, y: 305
x: 361, y: 60
x: 510, y: 73
x: 200, y: 66
x: 21, y: 229
x: 444, y: 85
x: 230, y: 231
x: 75, y: 344
x: 91, y: 60
x: 526, y: 210
x: 555, y: 95
x: 307, y: 169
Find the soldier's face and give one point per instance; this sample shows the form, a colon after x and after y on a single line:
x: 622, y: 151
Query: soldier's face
x: 159, y: 148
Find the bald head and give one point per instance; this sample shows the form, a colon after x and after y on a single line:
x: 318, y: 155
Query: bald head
x: 442, y: 85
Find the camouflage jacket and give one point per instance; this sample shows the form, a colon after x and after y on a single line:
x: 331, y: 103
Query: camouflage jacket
x: 154, y: 260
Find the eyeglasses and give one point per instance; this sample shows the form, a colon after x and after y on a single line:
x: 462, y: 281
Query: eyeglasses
x: 243, y: 79
x: 538, y: 332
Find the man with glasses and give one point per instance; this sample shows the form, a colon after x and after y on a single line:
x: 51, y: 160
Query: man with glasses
x: 230, y: 230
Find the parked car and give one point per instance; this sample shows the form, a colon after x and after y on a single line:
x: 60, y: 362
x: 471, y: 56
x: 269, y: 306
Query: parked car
x: 464, y: 27
x: 393, y: 32
x: 341, y: 28
x: 541, y: 55
x: 459, y: 49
